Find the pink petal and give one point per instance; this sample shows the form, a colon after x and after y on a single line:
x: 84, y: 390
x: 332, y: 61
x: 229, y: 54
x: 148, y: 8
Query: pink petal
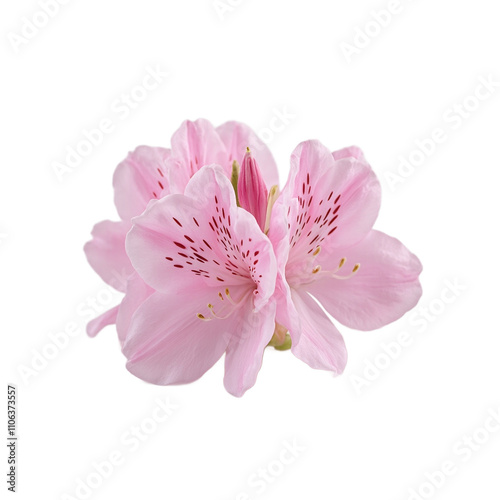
x: 168, y: 344
x: 245, y: 351
x: 350, y: 152
x: 106, y: 253
x: 384, y: 288
x: 197, y: 144
x: 338, y: 204
x: 286, y: 312
x: 141, y: 177
x: 97, y: 324
x: 279, y: 234
x: 283, y: 210
x: 321, y: 345
x: 137, y: 293
x: 237, y: 137
x: 202, y: 236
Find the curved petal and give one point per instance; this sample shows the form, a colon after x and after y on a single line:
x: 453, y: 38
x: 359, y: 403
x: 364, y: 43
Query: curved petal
x: 97, y: 324
x: 384, y: 288
x: 349, y: 152
x: 283, y: 210
x: 338, y: 202
x: 106, y: 253
x: 137, y: 293
x: 237, y: 137
x: 246, y: 347
x: 141, y: 177
x: 196, y: 144
x: 202, y: 236
x: 279, y: 234
x: 168, y: 344
x: 321, y: 345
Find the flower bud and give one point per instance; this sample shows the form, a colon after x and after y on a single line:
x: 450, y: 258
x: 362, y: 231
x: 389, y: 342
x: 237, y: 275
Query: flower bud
x: 252, y: 191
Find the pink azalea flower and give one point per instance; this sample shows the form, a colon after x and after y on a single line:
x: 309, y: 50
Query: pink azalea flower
x: 217, y: 261
x: 150, y: 173
x: 213, y: 272
x: 321, y: 229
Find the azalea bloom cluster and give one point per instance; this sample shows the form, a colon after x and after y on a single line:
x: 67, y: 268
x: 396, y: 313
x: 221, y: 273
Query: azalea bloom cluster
x: 214, y: 259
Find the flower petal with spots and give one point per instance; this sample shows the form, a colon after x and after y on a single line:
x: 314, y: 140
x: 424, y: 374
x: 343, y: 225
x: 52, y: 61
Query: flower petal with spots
x: 338, y: 202
x: 150, y: 173
x: 141, y: 177
x: 321, y: 230
x: 201, y: 244
x: 202, y: 235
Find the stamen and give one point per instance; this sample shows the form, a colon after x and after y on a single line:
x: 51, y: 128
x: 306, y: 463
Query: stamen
x: 333, y: 274
x: 231, y: 301
x: 211, y: 308
x: 235, y: 174
x: 353, y: 272
x: 271, y: 199
x: 212, y: 312
x: 317, y: 251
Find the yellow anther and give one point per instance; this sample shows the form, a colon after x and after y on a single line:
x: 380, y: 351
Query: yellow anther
x: 223, y: 312
x: 316, y: 252
x: 271, y: 199
x: 334, y: 274
x: 273, y: 191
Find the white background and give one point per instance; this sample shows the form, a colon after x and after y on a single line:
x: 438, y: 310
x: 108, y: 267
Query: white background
x: 377, y: 440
